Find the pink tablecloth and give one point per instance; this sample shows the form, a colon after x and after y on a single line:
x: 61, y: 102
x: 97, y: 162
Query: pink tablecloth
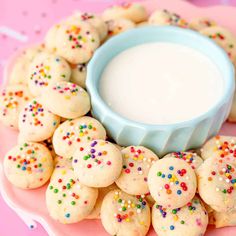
x: 31, y: 19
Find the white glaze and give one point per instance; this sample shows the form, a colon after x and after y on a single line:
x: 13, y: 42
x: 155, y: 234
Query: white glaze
x: 161, y: 83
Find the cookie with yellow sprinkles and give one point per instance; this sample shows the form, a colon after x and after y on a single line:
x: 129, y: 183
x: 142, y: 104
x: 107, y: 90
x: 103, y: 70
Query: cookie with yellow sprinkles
x: 28, y: 165
x: 137, y: 161
x: 12, y: 99
x: 68, y: 201
x: 71, y: 134
x: 172, y: 182
x: 191, y: 219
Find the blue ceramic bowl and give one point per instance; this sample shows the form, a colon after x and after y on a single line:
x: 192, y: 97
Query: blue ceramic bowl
x: 161, y: 138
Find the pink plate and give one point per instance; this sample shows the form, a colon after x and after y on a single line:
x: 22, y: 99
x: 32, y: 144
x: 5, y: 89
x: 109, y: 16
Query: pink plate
x: 33, y: 202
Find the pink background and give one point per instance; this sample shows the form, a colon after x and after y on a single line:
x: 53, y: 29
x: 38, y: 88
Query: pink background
x: 32, y: 18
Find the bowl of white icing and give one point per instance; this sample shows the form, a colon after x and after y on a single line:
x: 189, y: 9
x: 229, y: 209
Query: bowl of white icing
x: 166, y: 88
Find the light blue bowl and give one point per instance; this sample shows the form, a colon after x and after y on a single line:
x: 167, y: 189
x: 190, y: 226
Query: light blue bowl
x: 161, y: 138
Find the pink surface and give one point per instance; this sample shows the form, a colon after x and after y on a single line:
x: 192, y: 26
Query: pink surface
x: 32, y: 18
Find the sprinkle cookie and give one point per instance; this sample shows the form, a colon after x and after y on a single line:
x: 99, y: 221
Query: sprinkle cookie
x: 131, y: 11
x: 164, y: 17
x: 68, y: 201
x: 96, y: 21
x: 216, y: 184
x: 172, y: 182
x: 72, y: 134
x: 97, y: 163
x: 78, y: 74
x: 66, y: 99
x: 137, y: 161
x: 219, y: 146
x: 36, y: 123
x: 124, y: 214
x: 46, y: 69
x: 102, y: 192
x: 28, y: 165
x: 191, y: 219
x: 12, y: 100
x: 191, y: 158
x: 201, y: 23
x: 18, y: 73
x: 118, y: 26
x: 77, y: 41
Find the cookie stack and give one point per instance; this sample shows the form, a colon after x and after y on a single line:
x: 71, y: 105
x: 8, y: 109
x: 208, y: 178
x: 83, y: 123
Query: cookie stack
x: 89, y: 176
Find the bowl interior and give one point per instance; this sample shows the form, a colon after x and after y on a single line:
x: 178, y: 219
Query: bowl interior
x: 169, y: 34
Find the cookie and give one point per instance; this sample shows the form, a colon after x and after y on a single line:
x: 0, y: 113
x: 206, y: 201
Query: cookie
x: 68, y: 201
x: 124, y: 214
x: 224, y: 219
x: 137, y: 161
x: 66, y: 99
x: 216, y: 184
x: 78, y: 74
x: 77, y: 41
x: 46, y: 69
x: 118, y: 26
x: 191, y: 219
x: 224, y: 38
x: 102, y: 192
x: 18, y: 73
x: 219, y: 146
x: 12, y: 99
x: 97, y: 163
x: 28, y: 165
x: 50, y: 38
x: 191, y: 158
x: 172, y: 182
x: 130, y: 11
x: 96, y: 21
x: 72, y: 134
x: 201, y: 23
x: 164, y: 17
x: 36, y: 123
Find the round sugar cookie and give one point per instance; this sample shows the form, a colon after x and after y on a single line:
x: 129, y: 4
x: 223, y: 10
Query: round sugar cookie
x: 102, y: 192
x: 164, y: 17
x: 68, y: 201
x: 36, y: 123
x: 137, y: 161
x: 191, y: 158
x: 18, y: 73
x: 50, y: 38
x: 96, y: 21
x: 130, y: 11
x: 172, y: 182
x: 118, y: 26
x: 190, y: 220
x: 76, y: 41
x: 216, y: 184
x: 124, y: 214
x: 28, y: 165
x: 224, y: 38
x: 219, y: 146
x: 78, y: 74
x: 46, y: 69
x: 66, y: 99
x: 12, y: 99
x: 97, y: 163
x: 224, y: 219
x: 201, y: 23
x: 72, y: 134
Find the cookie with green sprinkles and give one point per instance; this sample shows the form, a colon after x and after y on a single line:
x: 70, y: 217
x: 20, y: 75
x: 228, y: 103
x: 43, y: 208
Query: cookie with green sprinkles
x: 45, y: 69
x: 28, y: 165
x: 71, y: 134
x: 36, y: 123
x: 68, y: 201
x: 217, y: 183
x: 191, y: 219
x: 124, y: 214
